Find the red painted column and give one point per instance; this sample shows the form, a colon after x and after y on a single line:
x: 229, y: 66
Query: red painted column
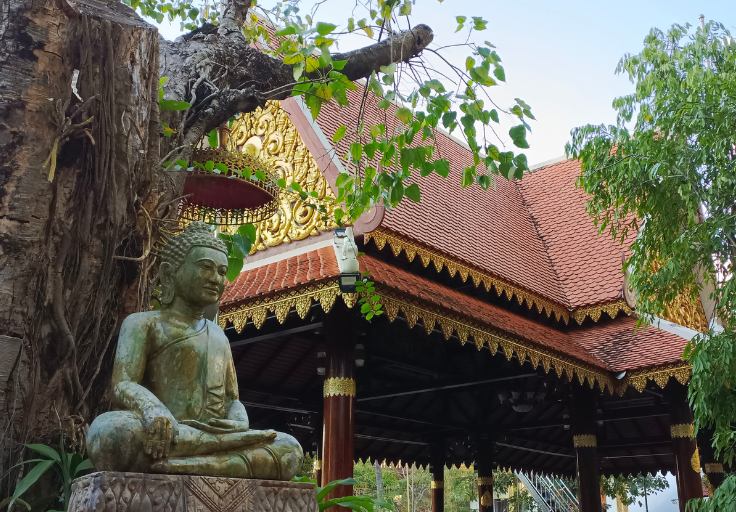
x: 339, y: 401
x: 585, y: 442
x: 438, y: 477
x: 485, y: 475
x: 685, y: 448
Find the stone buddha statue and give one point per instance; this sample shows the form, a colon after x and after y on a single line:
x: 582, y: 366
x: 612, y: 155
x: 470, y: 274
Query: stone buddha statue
x: 175, y: 386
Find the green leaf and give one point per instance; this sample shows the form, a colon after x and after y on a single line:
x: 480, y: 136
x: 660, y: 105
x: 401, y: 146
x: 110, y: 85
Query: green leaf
x: 442, y: 167
x: 518, y: 136
x: 174, y: 105
x: 356, y: 151
x: 287, y: 31
x: 248, y: 232
x: 339, y: 133
x: 31, y: 478
x: 213, y: 139
x: 468, y: 176
x: 298, y: 70
x: 499, y: 73
x: 404, y: 115
x: 45, y: 450
x: 413, y: 193
x: 325, y: 28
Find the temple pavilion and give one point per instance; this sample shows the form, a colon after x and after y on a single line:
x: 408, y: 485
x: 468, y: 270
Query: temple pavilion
x: 508, y: 339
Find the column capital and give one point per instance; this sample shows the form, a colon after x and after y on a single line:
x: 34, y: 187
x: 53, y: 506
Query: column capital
x: 714, y: 467
x: 682, y: 431
x: 339, y: 386
x: 584, y: 441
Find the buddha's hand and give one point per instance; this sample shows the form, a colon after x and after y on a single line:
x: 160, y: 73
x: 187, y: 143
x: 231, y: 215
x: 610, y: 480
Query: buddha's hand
x: 229, y: 425
x: 160, y: 432
x: 258, y: 436
x: 219, y: 425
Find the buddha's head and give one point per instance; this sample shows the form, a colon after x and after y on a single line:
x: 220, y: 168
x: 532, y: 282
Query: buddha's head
x: 193, y: 267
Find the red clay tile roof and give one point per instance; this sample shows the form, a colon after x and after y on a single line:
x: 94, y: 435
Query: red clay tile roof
x: 588, y: 265
x: 533, y: 232
x: 285, y: 274
x: 613, y: 346
x: 491, y: 229
x: 624, y: 346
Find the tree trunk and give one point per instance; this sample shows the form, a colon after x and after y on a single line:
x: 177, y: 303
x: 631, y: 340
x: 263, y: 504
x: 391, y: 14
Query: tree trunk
x: 78, y: 148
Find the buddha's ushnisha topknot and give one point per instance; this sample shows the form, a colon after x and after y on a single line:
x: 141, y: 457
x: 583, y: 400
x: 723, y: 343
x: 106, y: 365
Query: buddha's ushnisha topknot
x: 196, y: 234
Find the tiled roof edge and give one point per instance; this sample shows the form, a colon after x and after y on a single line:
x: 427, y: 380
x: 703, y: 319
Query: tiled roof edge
x: 398, y: 244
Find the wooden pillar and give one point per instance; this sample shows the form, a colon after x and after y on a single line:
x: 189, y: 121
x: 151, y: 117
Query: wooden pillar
x: 585, y: 441
x: 712, y: 468
x: 684, y: 446
x: 339, y: 400
x: 485, y: 474
x: 438, y: 477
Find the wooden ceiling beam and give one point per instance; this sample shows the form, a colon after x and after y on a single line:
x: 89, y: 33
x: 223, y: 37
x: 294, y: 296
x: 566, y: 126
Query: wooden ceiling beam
x: 446, y: 387
x: 276, y: 334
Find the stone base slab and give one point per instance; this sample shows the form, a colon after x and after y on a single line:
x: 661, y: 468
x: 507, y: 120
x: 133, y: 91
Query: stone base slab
x: 143, y: 492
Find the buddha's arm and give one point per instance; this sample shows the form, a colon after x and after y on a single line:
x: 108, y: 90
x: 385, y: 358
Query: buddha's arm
x: 129, y: 368
x: 235, y: 408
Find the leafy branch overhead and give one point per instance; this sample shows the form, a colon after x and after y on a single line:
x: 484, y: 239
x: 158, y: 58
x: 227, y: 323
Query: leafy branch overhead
x: 237, y: 59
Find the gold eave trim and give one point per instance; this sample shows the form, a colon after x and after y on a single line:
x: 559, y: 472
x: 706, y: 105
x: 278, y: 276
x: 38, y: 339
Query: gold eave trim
x: 638, y: 379
x: 326, y: 293
x: 300, y: 299
x: 411, y: 250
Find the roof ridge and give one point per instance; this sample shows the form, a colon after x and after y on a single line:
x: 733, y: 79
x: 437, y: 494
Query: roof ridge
x: 545, y: 245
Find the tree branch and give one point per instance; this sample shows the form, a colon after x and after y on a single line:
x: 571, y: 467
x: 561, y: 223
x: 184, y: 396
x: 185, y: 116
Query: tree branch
x: 232, y: 16
x: 398, y: 48
x: 222, y: 75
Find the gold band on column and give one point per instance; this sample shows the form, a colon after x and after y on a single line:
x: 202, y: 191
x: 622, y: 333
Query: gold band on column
x: 437, y: 484
x: 714, y: 467
x: 339, y: 386
x: 485, y: 480
x: 584, y: 441
x: 682, y: 431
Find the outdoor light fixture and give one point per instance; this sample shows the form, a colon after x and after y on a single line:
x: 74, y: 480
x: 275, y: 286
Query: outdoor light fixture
x: 621, y: 375
x: 359, y: 355
x: 346, y: 253
x: 321, y: 363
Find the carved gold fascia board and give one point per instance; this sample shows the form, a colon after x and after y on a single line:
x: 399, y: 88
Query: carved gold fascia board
x: 299, y: 299
x: 660, y: 376
x: 411, y: 250
x: 612, y: 309
x: 269, y: 134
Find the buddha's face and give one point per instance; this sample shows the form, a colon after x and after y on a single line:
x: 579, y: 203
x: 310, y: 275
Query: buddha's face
x: 200, y: 280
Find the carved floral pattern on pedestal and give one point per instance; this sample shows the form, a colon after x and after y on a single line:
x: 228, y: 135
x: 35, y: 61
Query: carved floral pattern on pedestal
x: 138, y: 492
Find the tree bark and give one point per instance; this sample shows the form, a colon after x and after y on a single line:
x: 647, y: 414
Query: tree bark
x: 82, y: 191
x: 78, y: 148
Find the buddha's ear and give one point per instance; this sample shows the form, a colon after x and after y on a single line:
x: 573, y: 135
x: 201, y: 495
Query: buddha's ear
x: 166, y: 278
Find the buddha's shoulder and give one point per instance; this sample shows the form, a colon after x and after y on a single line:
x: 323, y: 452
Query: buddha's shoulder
x: 141, y: 320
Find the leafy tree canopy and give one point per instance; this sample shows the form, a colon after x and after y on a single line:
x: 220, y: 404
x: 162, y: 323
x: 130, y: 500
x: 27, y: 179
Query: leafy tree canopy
x: 666, y: 174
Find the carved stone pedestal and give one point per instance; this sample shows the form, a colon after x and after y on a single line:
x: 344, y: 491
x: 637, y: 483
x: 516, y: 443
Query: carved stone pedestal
x: 140, y: 492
